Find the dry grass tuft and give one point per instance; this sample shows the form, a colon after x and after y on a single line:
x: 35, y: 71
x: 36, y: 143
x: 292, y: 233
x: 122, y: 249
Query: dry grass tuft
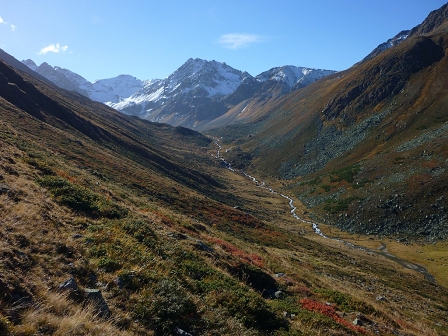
x: 57, y: 315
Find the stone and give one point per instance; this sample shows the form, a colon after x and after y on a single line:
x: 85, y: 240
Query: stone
x: 92, y: 278
x: 69, y: 284
x: 357, y: 322
x: 203, y: 247
x: 95, y: 297
x: 100, y: 284
x: 289, y: 315
x: 4, y: 189
x: 179, y: 332
x: 118, y: 281
x: 279, y: 295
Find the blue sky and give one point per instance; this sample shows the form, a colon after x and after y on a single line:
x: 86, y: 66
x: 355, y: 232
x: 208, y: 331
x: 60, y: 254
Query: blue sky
x: 150, y: 39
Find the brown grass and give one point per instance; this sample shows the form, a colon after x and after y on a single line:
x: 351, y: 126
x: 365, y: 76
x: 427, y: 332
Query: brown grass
x: 151, y: 259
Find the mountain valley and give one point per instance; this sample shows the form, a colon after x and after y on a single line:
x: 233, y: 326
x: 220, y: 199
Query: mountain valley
x: 312, y: 203
x: 361, y: 152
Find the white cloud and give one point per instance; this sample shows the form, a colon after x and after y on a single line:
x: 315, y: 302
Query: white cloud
x: 52, y: 48
x: 13, y: 28
x: 237, y: 41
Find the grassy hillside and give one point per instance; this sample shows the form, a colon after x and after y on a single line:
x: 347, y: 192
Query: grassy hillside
x: 364, y: 149
x: 96, y: 202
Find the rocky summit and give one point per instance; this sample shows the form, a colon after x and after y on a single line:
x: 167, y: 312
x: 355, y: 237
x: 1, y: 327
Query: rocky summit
x: 196, y: 95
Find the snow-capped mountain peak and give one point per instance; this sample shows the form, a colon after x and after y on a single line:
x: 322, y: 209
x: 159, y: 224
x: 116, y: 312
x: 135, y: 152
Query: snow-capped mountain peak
x: 196, y: 93
x: 206, y: 78
x: 195, y: 79
x: 115, y: 89
x: 110, y: 90
x: 292, y: 76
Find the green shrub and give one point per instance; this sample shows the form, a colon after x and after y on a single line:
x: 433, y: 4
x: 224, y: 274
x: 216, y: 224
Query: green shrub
x: 325, y: 187
x: 197, y: 270
x: 97, y: 251
x: 81, y: 199
x: 141, y: 231
x: 316, y: 321
x: 361, y: 183
x: 345, y: 302
x: 108, y: 264
x: 251, y: 309
x: 335, y: 206
x: 346, y: 173
x: 167, y: 306
x: 314, y: 181
x: 131, y: 280
x: 41, y: 165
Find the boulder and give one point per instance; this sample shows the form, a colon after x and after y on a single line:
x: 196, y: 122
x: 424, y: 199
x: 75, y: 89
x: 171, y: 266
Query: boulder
x: 4, y: 189
x: 203, y: 247
x: 289, y: 315
x: 381, y: 298
x: 95, y: 297
x: 69, y: 284
x: 179, y: 332
x: 357, y: 322
x: 273, y: 294
x: 279, y: 295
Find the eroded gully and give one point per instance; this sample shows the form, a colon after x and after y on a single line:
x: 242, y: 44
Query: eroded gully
x: 382, y: 250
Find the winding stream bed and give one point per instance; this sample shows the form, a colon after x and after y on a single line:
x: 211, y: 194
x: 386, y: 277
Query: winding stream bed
x: 382, y: 250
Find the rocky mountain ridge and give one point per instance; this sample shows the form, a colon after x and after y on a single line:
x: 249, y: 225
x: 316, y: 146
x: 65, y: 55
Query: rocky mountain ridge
x: 104, y: 90
x: 195, y: 94
x: 432, y: 21
x: 368, y: 151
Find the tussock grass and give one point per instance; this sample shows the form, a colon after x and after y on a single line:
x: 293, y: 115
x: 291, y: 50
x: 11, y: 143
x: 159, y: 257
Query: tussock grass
x: 55, y: 314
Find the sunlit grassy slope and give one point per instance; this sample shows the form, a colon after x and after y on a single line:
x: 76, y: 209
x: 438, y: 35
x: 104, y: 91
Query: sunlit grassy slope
x: 364, y: 149
x: 174, y: 241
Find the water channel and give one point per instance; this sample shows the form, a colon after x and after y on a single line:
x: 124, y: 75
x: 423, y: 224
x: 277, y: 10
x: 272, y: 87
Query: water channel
x: 382, y: 250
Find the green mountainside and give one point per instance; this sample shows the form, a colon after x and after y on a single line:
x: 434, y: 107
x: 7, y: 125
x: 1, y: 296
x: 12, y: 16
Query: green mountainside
x: 364, y: 149
x: 114, y: 225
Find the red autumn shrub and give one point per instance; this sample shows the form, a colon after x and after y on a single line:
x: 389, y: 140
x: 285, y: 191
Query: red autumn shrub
x: 234, y: 251
x: 330, y: 311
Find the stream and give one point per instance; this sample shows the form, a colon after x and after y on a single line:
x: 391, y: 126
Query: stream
x: 382, y: 250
